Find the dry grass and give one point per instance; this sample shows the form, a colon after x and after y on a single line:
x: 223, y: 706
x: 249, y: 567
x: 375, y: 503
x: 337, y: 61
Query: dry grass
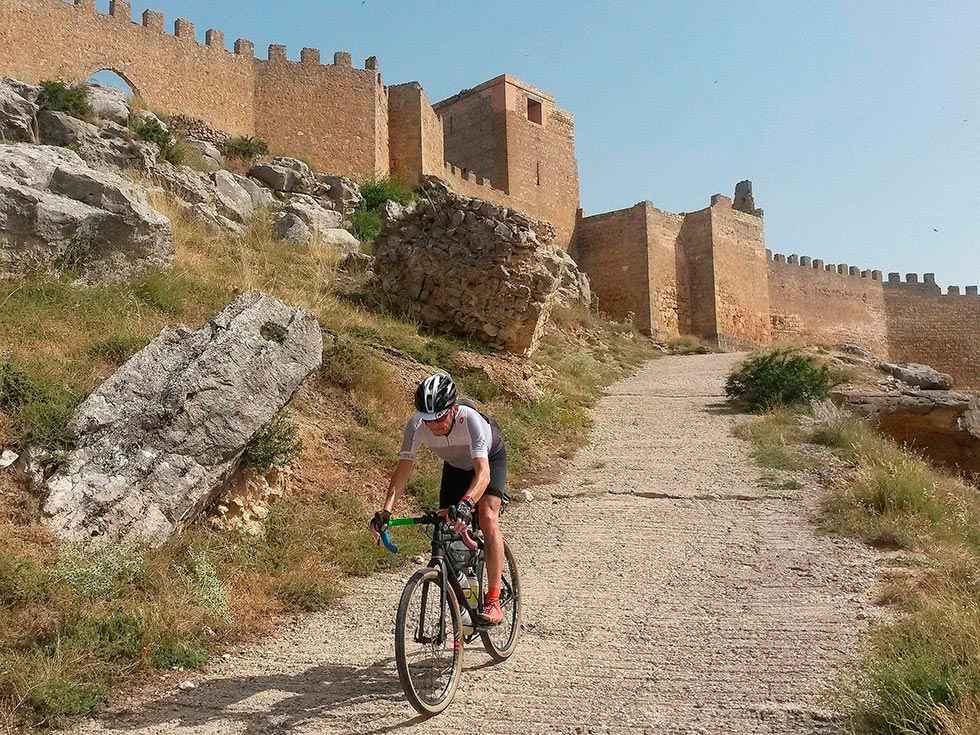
x: 62, y: 646
x: 920, y: 674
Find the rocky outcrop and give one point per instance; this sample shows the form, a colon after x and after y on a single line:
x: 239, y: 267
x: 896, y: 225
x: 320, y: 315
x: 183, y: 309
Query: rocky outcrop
x: 342, y: 191
x: 156, y: 441
x: 109, y: 104
x: 209, y: 154
x: 58, y: 213
x: 111, y: 146
x: 287, y: 175
x: 918, y: 376
x: 18, y: 108
x: 943, y: 425
x: 470, y: 267
x: 573, y: 285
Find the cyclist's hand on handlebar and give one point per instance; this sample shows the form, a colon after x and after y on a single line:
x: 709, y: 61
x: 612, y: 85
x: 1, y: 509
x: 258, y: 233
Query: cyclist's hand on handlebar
x: 462, y: 512
x: 379, y: 522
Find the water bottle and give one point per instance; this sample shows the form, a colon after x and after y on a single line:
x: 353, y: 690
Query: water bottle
x: 472, y: 588
x: 464, y: 615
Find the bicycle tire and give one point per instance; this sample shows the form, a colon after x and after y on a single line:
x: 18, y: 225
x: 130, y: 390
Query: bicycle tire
x: 404, y: 635
x: 497, y: 652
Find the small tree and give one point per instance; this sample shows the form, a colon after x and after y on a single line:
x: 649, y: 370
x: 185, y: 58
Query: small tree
x: 73, y: 99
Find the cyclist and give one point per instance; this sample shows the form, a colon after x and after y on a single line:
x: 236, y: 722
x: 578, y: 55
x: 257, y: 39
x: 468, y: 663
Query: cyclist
x: 474, y: 471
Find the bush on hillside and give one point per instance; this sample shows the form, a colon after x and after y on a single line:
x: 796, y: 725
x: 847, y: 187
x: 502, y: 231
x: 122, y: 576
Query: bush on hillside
x: 60, y: 97
x: 378, y: 191
x: 245, y: 147
x: 366, y: 224
x: 172, y: 149
x: 775, y: 378
x: 276, y: 445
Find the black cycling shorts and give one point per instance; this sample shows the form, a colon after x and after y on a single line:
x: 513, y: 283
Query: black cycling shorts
x: 455, y: 482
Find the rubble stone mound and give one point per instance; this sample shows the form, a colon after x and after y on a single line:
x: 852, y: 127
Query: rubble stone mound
x: 157, y: 440
x: 470, y: 267
x: 59, y: 214
x: 18, y: 108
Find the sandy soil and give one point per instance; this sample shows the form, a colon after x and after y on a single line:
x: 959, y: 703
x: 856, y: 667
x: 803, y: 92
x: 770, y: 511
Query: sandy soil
x: 669, y: 586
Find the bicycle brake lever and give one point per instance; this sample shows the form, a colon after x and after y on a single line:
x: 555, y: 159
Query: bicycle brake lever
x: 386, y: 540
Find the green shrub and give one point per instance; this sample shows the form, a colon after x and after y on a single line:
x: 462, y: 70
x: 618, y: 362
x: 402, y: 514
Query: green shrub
x: 244, y: 146
x: 766, y: 380
x: 57, y: 698
x: 378, y: 191
x: 367, y: 224
x: 17, y: 387
x: 208, y: 588
x: 60, y: 97
x: 276, y: 445
x: 186, y: 653
x: 172, y: 148
x: 23, y: 581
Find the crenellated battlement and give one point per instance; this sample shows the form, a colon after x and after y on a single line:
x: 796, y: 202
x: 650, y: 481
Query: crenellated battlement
x: 808, y: 263
x: 154, y: 21
x: 457, y: 173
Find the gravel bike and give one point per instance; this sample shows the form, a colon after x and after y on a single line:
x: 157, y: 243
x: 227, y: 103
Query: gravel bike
x: 439, y: 611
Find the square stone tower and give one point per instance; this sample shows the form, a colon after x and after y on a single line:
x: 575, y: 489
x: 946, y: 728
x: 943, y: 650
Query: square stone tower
x: 514, y: 135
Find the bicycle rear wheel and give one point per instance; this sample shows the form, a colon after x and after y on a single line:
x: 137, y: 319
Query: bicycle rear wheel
x: 501, y: 640
x: 429, y: 664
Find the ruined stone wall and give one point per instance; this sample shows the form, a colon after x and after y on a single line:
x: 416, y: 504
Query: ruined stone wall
x: 611, y: 249
x: 740, y: 277
x: 927, y: 326
x: 48, y: 39
x: 825, y: 304
x: 327, y: 114
x: 416, y: 136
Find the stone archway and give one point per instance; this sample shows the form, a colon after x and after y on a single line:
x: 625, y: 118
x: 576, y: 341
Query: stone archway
x: 100, y: 76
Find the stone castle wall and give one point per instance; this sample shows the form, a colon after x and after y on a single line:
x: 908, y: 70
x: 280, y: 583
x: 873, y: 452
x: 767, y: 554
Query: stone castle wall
x: 928, y: 326
x: 825, y: 303
x: 333, y: 115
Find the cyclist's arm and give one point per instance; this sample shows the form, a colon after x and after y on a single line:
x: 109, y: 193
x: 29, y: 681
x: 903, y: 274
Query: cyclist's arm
x: 481, y: 478
x: 399, y: 480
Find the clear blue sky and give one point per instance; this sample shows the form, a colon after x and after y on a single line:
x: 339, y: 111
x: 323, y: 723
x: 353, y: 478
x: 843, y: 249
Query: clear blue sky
x: 858, y: 122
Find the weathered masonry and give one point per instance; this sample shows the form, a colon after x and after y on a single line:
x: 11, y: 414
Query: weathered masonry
x: 342, y: 119
x: 705, y: 273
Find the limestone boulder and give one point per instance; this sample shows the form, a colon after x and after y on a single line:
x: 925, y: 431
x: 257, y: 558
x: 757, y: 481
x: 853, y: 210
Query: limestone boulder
x: 60, y: 214
x: 232, y: 196
x: 109, y: 104
x: 316, y: 217
x: 343, y: 191
x: 157, y: 440
x: 470, y: 267
x: 289, y: 227
x: 18, y: 108
x: 339, y: 239
x: 261, y: 197
x: 210, y: 155
x: 287, y: 175
x: 918, y: 376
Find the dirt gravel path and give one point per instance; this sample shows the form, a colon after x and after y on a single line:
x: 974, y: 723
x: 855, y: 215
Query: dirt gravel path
x: 670, y: 587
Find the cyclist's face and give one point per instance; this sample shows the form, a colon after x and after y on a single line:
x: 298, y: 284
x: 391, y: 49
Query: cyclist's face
x: 441, y: 426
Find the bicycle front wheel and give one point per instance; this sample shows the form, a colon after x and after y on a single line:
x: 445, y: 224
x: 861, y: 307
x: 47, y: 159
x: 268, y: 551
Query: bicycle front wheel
x: 428, y: 646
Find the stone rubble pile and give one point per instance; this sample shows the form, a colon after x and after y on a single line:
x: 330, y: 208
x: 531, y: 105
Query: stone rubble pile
x: 157, y: 441
x: 472, y: 268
